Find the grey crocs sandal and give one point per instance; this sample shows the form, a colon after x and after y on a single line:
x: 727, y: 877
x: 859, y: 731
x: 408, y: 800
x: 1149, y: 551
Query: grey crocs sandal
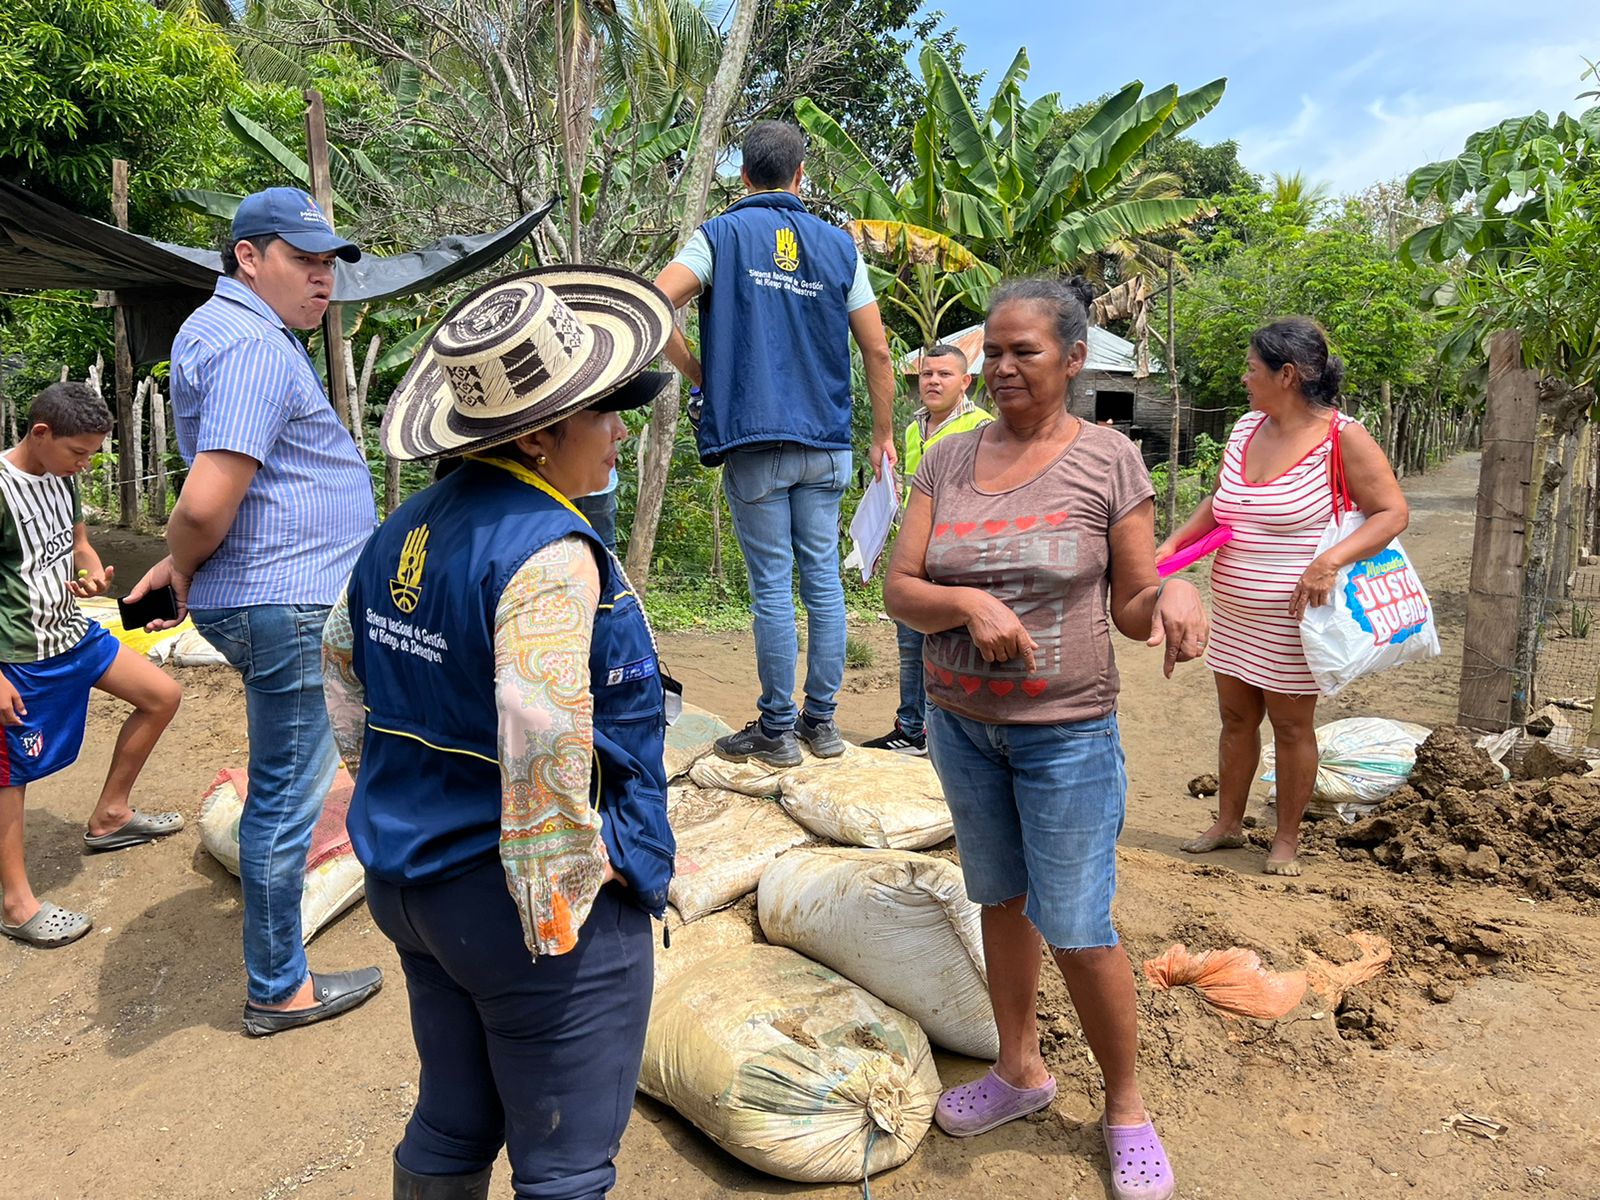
x: 139, y: 829
x: 50, y: 927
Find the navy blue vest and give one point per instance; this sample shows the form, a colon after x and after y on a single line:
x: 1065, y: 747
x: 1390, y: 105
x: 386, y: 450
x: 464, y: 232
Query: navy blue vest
x: 422, y: 605
x: 774, y: 330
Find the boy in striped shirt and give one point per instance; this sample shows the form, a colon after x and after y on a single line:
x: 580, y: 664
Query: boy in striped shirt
x: 51, y: 655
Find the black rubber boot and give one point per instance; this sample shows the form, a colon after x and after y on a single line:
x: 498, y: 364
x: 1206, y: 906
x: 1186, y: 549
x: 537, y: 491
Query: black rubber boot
x: 409, y: 1186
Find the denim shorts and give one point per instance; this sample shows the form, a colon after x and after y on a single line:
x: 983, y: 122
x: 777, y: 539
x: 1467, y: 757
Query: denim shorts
x: 1038, y: 809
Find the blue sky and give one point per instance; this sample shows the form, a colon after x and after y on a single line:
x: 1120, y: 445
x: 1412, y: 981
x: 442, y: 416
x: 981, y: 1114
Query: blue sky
x: 1348, y: 91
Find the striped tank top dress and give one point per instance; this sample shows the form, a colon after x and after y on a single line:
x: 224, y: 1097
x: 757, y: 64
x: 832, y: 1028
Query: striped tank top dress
x: 1276, y: 527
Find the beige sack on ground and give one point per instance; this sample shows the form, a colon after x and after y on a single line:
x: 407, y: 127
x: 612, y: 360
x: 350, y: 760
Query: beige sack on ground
x: 725, y: 841
x: 689, y: 739
x: 334, y: 877
x: 873, y: 798
x: 687, y: 946
x: 897, y: 923
x: 790, y: 1067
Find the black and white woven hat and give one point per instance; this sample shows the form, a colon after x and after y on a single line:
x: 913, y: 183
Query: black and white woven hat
x: 525, y: 351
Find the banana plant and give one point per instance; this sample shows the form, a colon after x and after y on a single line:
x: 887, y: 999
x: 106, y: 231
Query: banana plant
x: 980, y: 179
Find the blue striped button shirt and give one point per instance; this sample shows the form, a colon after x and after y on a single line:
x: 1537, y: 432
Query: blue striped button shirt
x: 242, y: 382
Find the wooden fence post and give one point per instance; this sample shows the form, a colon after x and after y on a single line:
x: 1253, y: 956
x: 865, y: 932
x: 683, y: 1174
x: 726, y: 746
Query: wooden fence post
x: 127, y: 472
x: 158, y: 453
x: 1494, y: 592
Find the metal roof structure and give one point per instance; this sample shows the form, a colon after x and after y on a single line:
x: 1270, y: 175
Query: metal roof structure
x: 44, y: 245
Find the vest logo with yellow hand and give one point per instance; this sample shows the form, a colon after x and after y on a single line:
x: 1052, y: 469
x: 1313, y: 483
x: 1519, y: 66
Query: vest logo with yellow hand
x: 786, y: 249
x: 405, y: 589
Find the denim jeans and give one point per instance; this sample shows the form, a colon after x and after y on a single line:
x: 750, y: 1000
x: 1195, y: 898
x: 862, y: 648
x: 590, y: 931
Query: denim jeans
x: 277, y: 649
x: 540, y: 1056
x: 784, y: 499
x: 911, y: 716
x: 1037, y: 809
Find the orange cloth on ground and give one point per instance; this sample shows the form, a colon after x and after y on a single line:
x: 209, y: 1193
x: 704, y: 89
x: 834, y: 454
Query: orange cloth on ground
x: 1332, y: 980
x: 1232, y: 980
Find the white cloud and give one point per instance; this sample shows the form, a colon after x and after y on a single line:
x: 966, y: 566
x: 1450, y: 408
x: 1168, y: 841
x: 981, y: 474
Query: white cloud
x: 1373, y: 133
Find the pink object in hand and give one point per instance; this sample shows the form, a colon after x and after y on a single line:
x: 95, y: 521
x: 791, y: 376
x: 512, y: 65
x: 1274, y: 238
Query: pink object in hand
x: 1195, y: 551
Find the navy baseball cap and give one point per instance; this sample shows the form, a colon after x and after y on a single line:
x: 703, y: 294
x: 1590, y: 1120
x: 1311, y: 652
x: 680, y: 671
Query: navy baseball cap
x: 294, y: 216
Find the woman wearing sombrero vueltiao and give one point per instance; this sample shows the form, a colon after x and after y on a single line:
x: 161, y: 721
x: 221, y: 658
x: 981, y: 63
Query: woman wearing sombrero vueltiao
x: 495, y: 689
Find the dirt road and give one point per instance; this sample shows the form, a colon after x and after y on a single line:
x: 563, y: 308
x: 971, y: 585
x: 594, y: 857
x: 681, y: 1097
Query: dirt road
x: 125, y: 1074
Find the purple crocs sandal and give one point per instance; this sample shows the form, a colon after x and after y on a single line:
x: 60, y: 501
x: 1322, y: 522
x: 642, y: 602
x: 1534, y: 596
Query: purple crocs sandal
x: 1139, y: 1166
x: 986, y: 1103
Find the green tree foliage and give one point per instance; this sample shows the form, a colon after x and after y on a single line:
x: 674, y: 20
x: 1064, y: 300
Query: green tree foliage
x: 849, y: 57
x: 87, y: 81
x: 977, y: 179
x: 1340, y: 274
x: 1521, y: 225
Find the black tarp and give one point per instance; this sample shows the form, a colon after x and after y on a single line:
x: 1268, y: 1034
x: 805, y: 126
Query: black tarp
x: 43, y: 245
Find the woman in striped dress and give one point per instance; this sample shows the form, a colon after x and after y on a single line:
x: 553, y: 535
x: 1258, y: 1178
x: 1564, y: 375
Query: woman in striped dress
x: 1275, y: 491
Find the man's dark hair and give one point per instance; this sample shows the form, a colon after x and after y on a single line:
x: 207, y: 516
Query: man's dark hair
x: 944, y: 350
x: 230, y: 260
x: 773, y: 152
x: 70, y: 410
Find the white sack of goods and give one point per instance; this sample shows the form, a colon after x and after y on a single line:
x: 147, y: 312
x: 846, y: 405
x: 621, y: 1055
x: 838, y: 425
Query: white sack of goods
x: 790, y: 1067
x: 897, y: 923
x: 725, y: 841
x: 689, y: 739
x: 334, y: 878
x: 873, y: 798
x: 687, y: 946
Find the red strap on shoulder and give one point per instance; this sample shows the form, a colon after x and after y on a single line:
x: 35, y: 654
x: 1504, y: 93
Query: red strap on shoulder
x: 1340, y: 482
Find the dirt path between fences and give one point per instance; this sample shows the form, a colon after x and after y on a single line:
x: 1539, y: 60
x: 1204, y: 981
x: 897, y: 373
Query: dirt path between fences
x: 125, y: 1074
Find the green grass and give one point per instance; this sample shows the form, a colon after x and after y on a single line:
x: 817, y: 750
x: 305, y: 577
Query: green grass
x: 674, y: 605
x: 857, y: 653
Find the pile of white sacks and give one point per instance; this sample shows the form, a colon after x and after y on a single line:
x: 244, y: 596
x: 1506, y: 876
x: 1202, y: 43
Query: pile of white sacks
x: 808, y: 1057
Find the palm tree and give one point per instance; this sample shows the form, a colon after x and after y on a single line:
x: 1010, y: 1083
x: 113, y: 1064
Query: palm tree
x: 1297, y: 198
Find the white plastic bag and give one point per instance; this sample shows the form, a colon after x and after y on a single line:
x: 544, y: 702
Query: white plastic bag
x: 1377, y: 616
x: 896, y: 923
x: 790, y: 1067
x: 1360, y: 760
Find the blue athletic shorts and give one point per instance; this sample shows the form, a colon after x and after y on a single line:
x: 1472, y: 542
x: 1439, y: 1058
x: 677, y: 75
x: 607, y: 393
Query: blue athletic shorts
x: 55, y: 691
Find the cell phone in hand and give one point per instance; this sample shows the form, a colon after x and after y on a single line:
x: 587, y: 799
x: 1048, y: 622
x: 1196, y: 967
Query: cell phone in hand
x: 158, y: 604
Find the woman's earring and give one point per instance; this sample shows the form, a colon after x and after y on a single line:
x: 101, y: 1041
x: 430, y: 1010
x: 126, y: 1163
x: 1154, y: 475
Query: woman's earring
x: 539, y: 460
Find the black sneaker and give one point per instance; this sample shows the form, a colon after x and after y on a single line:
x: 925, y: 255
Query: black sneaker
x: 823, y: 737
x: 754, y: 742
x: 901, y: 743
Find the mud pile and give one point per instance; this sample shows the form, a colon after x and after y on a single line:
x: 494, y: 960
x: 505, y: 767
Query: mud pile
x: 1457, y: 819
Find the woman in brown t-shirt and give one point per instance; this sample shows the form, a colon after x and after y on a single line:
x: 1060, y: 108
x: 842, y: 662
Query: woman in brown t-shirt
x: 1015, y: 536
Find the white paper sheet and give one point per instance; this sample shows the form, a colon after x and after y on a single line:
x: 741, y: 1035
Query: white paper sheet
x: 869, y: 528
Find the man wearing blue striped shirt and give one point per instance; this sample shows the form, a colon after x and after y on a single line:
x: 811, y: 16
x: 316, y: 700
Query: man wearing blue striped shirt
x: 277, y: 506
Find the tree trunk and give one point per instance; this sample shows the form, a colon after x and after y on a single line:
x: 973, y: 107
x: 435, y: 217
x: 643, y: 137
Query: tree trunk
x: 333, y: 318
x: 1386, y: 397
x: 1562, y: 410
x: 657, y: 452
x: 127, y: 475
x: 1176, y: 444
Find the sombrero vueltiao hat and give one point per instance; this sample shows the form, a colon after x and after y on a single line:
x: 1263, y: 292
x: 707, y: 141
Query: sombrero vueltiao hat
x: 525, y: 351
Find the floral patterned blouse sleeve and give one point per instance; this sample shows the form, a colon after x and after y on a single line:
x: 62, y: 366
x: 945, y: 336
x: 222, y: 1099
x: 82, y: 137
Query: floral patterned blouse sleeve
x: 550, y: 843
x: 342, y: 693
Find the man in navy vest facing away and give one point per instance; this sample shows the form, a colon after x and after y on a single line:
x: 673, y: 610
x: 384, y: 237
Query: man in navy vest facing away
x: 781, y: 294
